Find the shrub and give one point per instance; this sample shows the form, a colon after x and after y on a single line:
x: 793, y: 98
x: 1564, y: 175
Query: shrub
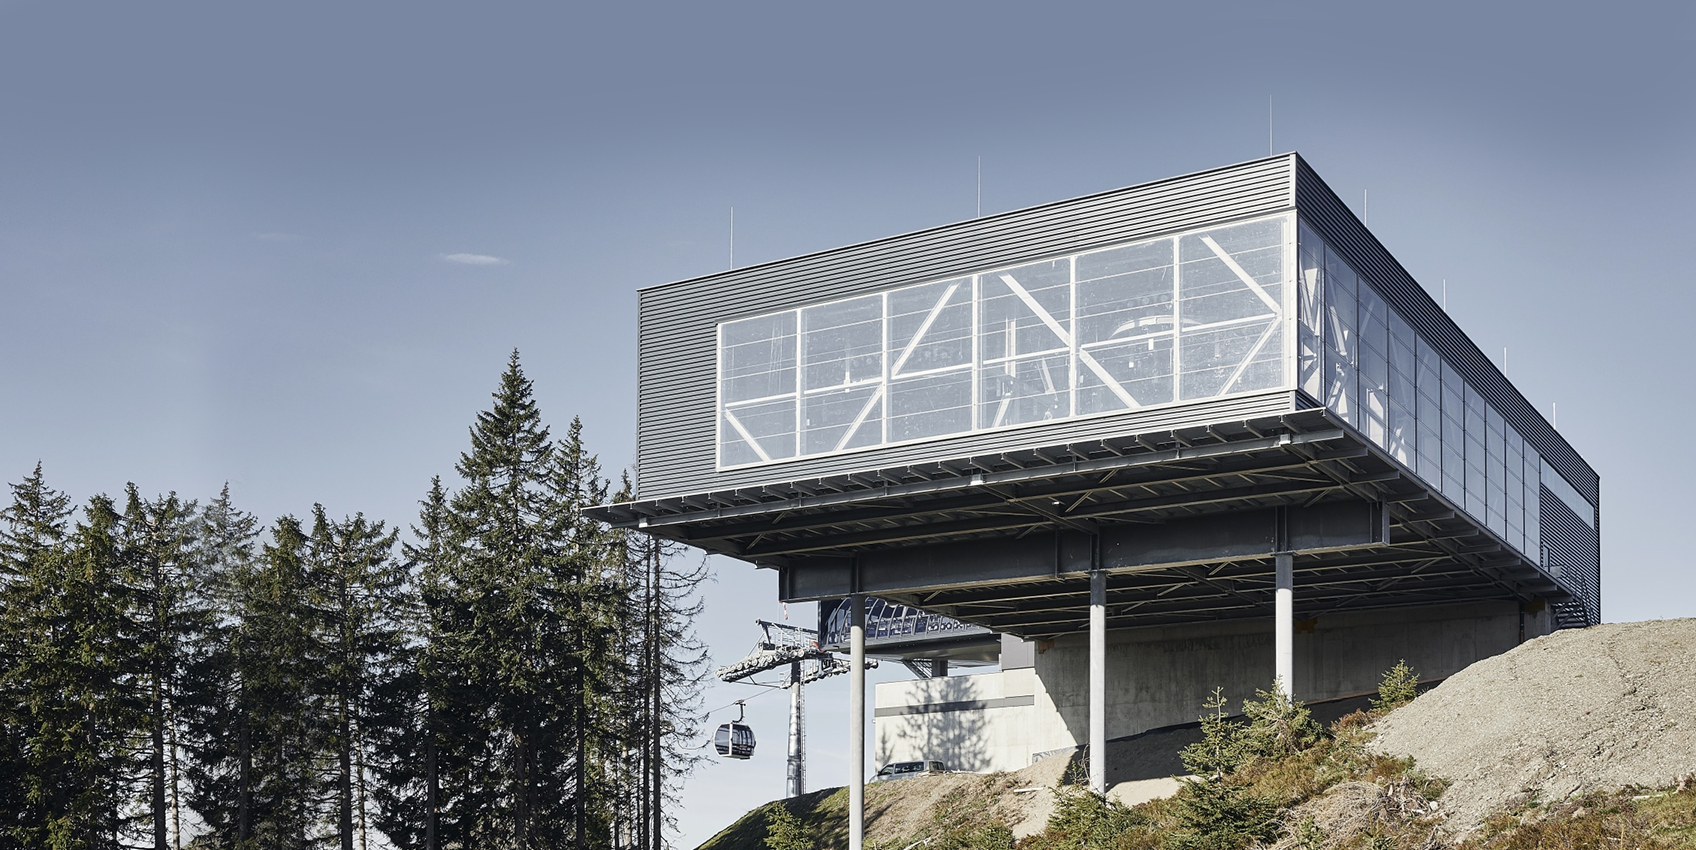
x: 1275, y: 726
x: 1221, y: 815
x: 1088, y: 821
x: 1220, y: 750
x: 784, y: 831
x: 1399, y: 687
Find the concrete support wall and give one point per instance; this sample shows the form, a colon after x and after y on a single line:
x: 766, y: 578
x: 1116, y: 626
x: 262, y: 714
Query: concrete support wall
x: 1159, y: 677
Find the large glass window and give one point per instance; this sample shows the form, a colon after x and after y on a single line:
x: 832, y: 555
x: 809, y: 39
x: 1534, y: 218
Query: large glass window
x: 1193, y: 316
x: 1387, y: 381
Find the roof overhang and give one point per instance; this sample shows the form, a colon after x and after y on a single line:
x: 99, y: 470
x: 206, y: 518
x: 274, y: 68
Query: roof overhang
x: 1186, y: 523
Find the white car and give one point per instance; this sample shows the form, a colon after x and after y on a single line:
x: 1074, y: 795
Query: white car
x: 907, y: 770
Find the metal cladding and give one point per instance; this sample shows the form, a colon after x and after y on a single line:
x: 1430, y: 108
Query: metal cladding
x: 1176, y: 422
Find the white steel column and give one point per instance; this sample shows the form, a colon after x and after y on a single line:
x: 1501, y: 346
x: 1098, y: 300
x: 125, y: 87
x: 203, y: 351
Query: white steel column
x: 857, y: 724
x: 1284, y: 625
x: 1098, y: 681
x: 797, y: 734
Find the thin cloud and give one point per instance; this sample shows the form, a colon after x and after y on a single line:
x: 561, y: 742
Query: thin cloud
x: 278, y: 237
x: 475, y: 259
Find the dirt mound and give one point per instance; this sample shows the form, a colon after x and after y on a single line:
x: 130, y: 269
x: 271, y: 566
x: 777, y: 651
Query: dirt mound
x: 1576, y: 711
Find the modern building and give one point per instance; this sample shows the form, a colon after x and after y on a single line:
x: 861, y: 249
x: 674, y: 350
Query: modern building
x: 1202, y: 431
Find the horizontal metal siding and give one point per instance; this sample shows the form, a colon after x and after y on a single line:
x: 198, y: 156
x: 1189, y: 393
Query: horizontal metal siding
x: 1572, y: 553
x: 1337, y: 224
x: 677, y: 322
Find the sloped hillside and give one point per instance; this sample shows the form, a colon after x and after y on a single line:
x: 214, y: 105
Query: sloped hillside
x: 1560, y: 716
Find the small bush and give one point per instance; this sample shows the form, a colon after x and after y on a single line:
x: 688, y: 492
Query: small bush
x: 1275, y: 726
x: 784, y: 831
x: 1087, y: 821
x: 1221, y: 815
x: 1399, y: 687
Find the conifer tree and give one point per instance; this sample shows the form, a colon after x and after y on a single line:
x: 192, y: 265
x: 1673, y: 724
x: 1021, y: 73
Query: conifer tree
x: 217, y: 724
x: 357, y: 588
x: 78, y: 772
x: 33, y: 543
x: 170, y: 614
x: 279, y: 661
x: 500, y: 565
x: 419, y: 705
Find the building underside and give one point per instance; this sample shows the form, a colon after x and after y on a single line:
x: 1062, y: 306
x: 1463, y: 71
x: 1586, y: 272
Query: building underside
x: 1185, y: 522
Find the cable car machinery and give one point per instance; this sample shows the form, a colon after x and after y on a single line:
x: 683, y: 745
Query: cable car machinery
x: 795, y: 652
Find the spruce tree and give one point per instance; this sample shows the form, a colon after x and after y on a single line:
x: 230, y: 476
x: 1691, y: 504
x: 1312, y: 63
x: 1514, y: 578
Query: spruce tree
x: 78, y: 770
x: 33, y: 543
x: 216, y: 722
x: 358, y: 590
x: 501, y: 566
x: 419, y: 706
x: 170, y: 615
x: 278, y: 658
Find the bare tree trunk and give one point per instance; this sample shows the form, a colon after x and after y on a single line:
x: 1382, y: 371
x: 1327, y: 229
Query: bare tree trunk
x: 344, y: 778
x: 244, y: 809
x: 157, y: 762
x: 432, y: 786
x: 176, y: 787
x: 359, y: 774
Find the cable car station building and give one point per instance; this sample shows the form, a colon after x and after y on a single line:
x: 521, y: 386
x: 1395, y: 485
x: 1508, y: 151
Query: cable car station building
x: 1198, y: 432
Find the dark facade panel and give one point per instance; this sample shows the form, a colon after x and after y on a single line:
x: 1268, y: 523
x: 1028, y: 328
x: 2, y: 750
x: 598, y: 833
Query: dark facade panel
x: 677, y: 322
x: 1572, y: 553
x: 1337, y: 224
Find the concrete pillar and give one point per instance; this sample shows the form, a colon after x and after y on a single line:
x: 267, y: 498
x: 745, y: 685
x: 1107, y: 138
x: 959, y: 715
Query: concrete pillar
x: 857, y: 724
x: 797, y: 735
x: 1098, y: 682
x: 1284, y: 624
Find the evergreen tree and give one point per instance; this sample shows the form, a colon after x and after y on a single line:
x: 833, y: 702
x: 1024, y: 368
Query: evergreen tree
x: 586, y: 587
x: 500, y: 565
x: 417, y: 706
x: 279, y: 662
x: 669, y: 669
x: 357, y: 590
x: 78, y: 772
x: 170, y: 614
x: 216, y: 722
x: 33, y: 543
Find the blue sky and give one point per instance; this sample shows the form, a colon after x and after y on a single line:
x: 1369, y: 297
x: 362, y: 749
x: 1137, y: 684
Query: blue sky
x: 240, y: 241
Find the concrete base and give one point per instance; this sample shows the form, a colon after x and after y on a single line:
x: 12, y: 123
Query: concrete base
x: 1159, y: 677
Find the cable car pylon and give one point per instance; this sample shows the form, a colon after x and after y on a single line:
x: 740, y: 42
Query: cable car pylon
x: 795, y: 651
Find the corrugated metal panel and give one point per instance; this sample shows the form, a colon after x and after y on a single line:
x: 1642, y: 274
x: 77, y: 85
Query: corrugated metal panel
x: 1337, y: 224
x: 1572, y: 554
x: 677, y: 322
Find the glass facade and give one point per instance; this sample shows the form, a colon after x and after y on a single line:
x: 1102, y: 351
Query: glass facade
x: 1181, y: 318
x: 1373, y: 369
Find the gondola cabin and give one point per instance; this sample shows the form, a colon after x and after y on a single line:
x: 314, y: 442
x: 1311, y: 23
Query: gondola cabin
x: 734, y: 740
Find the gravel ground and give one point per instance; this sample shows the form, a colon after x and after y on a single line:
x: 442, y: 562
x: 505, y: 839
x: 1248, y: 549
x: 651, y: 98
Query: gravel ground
x: 1572, y: 712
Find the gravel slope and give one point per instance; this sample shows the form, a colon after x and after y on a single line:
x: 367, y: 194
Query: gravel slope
x: 1575, y: 711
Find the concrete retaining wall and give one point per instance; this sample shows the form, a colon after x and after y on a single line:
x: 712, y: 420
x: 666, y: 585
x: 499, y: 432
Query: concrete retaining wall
x: 1160, y: 676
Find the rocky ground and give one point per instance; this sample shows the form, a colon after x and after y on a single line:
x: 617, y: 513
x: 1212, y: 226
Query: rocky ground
x: 1529, y: 732
x: 1577, y: 711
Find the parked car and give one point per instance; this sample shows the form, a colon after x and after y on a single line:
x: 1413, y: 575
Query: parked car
x: 907, y: 770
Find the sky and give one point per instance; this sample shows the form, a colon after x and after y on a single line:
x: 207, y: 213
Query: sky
x: 289, y: 246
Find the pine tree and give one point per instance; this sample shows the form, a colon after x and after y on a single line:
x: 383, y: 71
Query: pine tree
x: 500, y: 565
x: 670, y: 669
x: 357, y: 590
x: 170, y: 614
x: 278, y: 660
x: 78, y: 770
x: 32, y: 544
x: 586, y: 586
x: 216, y: 723
x: 416, y: 706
